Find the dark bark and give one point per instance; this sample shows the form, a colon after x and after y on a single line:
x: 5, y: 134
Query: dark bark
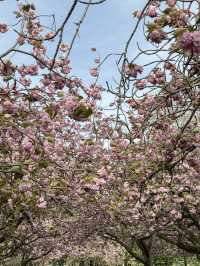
x: 145, y: 247
x: 148, y: 263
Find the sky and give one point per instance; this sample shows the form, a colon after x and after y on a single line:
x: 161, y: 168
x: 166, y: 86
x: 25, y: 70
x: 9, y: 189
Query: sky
x: 106, y: 27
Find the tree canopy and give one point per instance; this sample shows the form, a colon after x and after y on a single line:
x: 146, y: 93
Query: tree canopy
x: 81, y: 179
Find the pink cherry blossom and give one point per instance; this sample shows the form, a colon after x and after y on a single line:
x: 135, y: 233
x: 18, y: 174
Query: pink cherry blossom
x: 140, y: 84
x: 3, y: 28
x: 132, y: 70
x: 41, y: 203
x: 157, y: 35
x: 138, y: 14
x: 64, y: 47
x: 25, y: 81
x: 94, y: 72
x: 190, y: 42
x: 171, y: 3
x: 152, y: 11
x: 102, y: 172
x: 9, y: 106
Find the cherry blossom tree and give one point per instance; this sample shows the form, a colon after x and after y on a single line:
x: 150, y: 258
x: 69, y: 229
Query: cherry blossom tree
x: 73, y: 174
x: 46, y: 115
x: 157, y: 164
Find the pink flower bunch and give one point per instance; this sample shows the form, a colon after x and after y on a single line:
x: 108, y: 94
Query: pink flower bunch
x: 133, y: 103
x: 7, y: 68
x: 70, y: 103
x: 24, y: 187
x: 35, y: 95
x: 194, y: 163
x: 46, y: 81
x: 148, y: 101
x: 9, y: 107
x: 94, y: 72
x: 175, y: 214
x: 102, y: 172
x: 156, y: 77
x: 27, y: 145
x: 97, y: 61
x: 28, y: 70
x: 171, y: 3
x: 25, y: 81
x: 190, y: 42
x: 66, y: 69
x: 41, y: 203
x: 132, y: 70
x: 39, y: 51
x: 157, y: 35
x: 3, y: 28
x: 49, y: 35
x: 64, y: 47
x: 140, y: 84
x: 21, y: 40
x: 123, y: 143
x: 169, y: 66
x: 152, y: 11
x: 94, y: 91
x: 138, y: 14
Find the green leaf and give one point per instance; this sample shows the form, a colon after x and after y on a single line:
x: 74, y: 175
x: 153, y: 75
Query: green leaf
x: 26, y: 8
x: 89, y: 178
x: 43, y: 163
x: 82, y: 113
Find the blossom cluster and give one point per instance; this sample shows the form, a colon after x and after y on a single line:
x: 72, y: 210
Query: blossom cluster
x: 190, y: 42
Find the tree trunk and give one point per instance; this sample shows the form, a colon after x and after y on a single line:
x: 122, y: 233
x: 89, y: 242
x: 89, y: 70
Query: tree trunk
x: 185, y: 261
x: 148, y: 262
x: 145, y: 247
